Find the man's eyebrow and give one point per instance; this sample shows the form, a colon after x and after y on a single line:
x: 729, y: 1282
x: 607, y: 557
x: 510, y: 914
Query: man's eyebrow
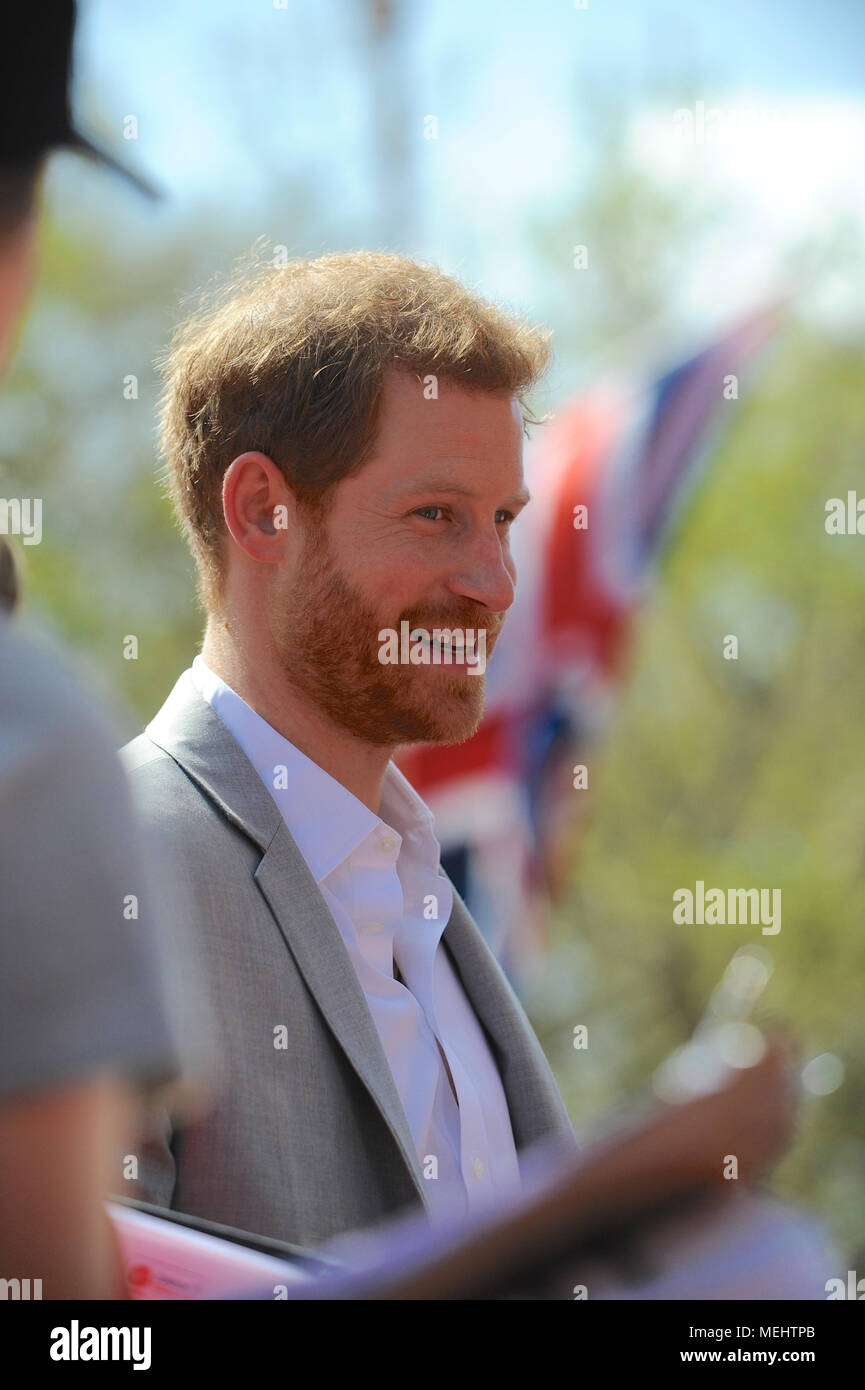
x: 519, y: 499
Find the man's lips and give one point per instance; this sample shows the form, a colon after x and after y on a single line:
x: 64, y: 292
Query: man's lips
x: 447, y: 648
x: 443, y: 625
x: 441, y: 642
x: 482, y: 640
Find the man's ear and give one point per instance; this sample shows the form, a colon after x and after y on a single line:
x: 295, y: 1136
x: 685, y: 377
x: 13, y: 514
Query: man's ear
x: 259, y: 507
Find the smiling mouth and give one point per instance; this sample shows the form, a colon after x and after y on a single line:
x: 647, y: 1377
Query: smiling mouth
x: 447, y: 648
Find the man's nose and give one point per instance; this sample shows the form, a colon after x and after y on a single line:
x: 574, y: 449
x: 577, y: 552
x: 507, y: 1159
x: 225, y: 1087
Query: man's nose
x: 486, y: 574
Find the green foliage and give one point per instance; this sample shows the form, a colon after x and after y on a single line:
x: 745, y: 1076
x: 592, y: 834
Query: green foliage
x: 741, y: 773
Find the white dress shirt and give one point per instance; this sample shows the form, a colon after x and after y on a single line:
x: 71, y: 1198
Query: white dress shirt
x: 379, y: 877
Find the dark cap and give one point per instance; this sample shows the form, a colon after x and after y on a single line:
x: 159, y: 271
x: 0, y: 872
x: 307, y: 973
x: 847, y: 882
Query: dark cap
x: 35, y: 70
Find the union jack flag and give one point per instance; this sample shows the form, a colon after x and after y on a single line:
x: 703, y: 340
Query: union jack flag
x: 630, y: 452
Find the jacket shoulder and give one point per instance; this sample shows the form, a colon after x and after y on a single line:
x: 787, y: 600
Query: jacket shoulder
x: 174, y: 813
x: 163, y: 793
x: 140, y: 751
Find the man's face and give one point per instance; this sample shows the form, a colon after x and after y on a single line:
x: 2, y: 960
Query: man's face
x: 420, y: 534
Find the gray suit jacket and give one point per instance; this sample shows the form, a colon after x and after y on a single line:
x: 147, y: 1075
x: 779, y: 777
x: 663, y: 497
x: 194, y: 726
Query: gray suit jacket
x: 305, y: 1141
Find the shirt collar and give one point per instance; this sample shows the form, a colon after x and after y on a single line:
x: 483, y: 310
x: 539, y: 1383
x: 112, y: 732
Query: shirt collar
x: 326, y: 820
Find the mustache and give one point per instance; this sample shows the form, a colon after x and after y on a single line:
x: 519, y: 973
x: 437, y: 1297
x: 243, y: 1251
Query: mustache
x: 491, y: 624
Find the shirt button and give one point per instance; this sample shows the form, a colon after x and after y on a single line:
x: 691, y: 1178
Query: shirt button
x: 373, y: 926
x: 478, y: 1168
x: 386, y: 844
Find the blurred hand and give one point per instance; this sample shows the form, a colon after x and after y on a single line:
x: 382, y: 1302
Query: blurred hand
x: 752, y: 1117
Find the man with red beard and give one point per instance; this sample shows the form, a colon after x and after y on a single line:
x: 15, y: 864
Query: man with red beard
x: 343, y: 445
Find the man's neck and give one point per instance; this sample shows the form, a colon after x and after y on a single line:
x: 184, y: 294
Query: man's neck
x: 359, y: 767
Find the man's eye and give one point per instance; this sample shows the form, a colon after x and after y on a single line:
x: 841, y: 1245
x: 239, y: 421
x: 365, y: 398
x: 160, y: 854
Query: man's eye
x: 502, y: 515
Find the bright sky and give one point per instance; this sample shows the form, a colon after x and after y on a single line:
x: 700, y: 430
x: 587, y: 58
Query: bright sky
x: 241, y: 102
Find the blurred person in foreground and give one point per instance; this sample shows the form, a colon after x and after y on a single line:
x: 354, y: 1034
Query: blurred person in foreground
x: 86, y: 1029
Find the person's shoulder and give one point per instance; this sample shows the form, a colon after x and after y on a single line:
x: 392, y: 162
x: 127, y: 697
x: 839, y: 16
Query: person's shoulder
x: 140, y: 753
x: 171, y: 809
x: 81, y: 987
x: 49, y: 706
x: 39, y: 683
x: 163, y: 795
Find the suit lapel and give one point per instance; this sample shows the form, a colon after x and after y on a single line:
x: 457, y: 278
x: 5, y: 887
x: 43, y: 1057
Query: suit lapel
x: 534, y: 1104
x: 190, y: 731
x: 313, y: 938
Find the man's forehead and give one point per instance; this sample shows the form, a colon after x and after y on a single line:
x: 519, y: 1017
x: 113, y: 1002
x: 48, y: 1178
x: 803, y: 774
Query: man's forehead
x: 464, y: 442
x: 448, y: 421
x: 442, y: 397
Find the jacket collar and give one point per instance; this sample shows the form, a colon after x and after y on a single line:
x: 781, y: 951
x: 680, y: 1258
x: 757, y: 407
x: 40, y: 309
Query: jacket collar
x: 191, y: 733
x: 187, y: 729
